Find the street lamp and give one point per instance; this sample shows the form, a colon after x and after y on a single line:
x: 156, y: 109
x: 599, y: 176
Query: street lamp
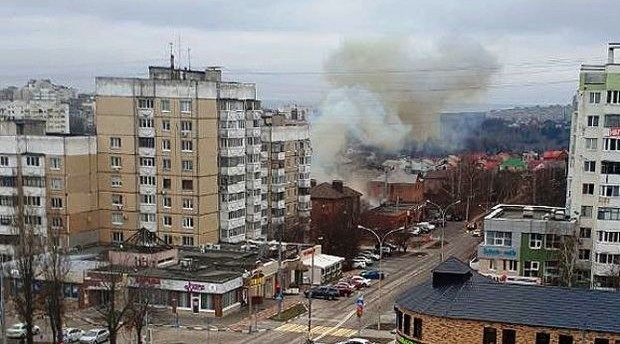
x: 442, y: 212
x: 381, y: 240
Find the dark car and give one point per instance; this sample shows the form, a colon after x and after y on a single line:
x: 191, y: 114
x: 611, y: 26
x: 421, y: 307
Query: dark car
x: 344, y: 288
x: 373, y: 274
x: 327, y: 293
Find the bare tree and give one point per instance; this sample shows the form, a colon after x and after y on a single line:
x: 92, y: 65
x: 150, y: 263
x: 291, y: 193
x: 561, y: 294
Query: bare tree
x: 402, y: 240
x: 142, y: 297
x: 55, y: 268
x: 567, y: 257
x: 116, y: 305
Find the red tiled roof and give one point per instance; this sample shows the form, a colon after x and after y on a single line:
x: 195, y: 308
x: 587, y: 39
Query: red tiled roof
x: 552, y: 155
x: 327, y: 191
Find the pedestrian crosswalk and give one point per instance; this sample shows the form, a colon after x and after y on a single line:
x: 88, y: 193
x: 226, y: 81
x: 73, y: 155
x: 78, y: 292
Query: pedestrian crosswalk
x: 328, y: 330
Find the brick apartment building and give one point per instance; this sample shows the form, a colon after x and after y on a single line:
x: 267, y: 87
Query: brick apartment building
x: 397, y: 186
x: 458, y: 305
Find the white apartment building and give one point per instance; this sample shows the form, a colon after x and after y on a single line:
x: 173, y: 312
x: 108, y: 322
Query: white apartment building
x: 54, y: 113
x: 594, y: 167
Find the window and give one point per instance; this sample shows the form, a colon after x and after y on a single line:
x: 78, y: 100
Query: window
x: 37, y: 182
x: 586, y: 211
x: 187, y: 185
x: 509, y: 336
x: 56, y: 202
x: 166, y: 164
x: 595, y: 98
x: 7, y: 201
x: 610, y: 167
x: 147, y: 217
x: 188, y: 240
x: 609, y: 214
x: 115, y: 161
x: 492, y: 264
x: 147, y: 162
x: 117, y: 236
x: 610, y: 190
x: 167, y: 202
x: 186, y: 126
x: 399, y: 319
x: 117, y: 199
x: 147, y: 180
x: 186, y: 145
x: 145, y: 103
x: 165, y: 145
x: 188, y: 203
x: 187, y: 165
x: 530, y: 269
x: 167, y: 220
x: 613, y: 97
x: 186, y: 106
x: 552, y: 241
x: 565, y: 339
x: 610, y: 144
x: 167, y: 183
x: 498, y: 238
x: 608, y: 258
x: 536, y: 240
x: 489, y: 336
x: 32, y: 220
x: 4, y: 160
x: 612, y: 121
x: 188, y: 222
x: 168, y: 240
x: 601, y: 341
x: 146, y: 142
x: 55, y: 163
x: 165, y: 105
x: 592, y: 121
x: 591, y: 143
x: 589, y: 166
x: 543, y: 338
x: 6, y: 220
x: 587, y: 189
x: 165, y: 125
x: 147, y: 199
x: 56, y: 222
x: 115, y: 142
x: 32, y: 160
x: 585, y: 232
x: 117, y: 218
x: 32, y: 201
x: 584, y: 254
x: 610, y: 237
x: 407, y: 324
x: 116, y: 181
x: 417, y: 328
x: 510, y: 265
x: 56, y: 183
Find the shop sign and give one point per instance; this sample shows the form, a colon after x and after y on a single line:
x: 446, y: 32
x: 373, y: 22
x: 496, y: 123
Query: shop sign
x: 145, y: 281
x: 194, y: 287
x: 494, y: 252
x: 257, y: 279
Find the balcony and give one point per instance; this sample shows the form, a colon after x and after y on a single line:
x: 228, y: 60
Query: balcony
x: 150, y: 226
x: 304, y: 198
x: 278, y: 156
x: 252, y: 132
x: 256, y: 217
x: 148, y: 208
x: 232, y: 205
x: 304, y: 168
x: 303, y: 183
x: 232, y: 133
x: 253, y: 184
x: 281, y: 204
x: 33, y: 171
x: 252, y: 167
x: 232, y: 151
x: 254, y: 114
x: 253, y: 200
x: 148, y: 189
x: 234, y: 188
x: 231, y: 115
x: 145, y: 113
x: 278, y: 187
x: 303, y: 213
x: 146, y: 132
x: 253, y: 149
x: 34, y: 191
x: 280, y: 172
x: 264, y: 204
x: 225, y: 237
x: 263, y: 221
x: 148, y: 152
x: 306, y: 152
x: 233, y: 170
x: 8, y: 171
x: 277, y: 220
x: 147, y: 170
x: 264, y: 155
x: 8, y: 190
x: 225, y: 223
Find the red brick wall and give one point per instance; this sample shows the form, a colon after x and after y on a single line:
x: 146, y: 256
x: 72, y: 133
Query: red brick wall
x: 407, y: 193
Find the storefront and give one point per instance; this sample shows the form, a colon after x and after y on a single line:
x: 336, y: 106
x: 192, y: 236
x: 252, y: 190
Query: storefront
x: 217, y: 299
x: 326, y: 268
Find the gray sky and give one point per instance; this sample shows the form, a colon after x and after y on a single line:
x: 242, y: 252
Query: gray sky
x: 282, y: 44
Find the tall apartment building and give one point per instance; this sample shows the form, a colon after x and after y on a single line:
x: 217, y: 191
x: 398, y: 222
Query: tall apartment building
x: 55, y: 178
x: 286, y: 173
x: 179, y: 154
x: 594, y: 166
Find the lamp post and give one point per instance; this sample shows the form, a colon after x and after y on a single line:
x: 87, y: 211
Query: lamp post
x: 309, y: 339
x: 3, y: 317
x: 442, y: 212
x: 380, y: 240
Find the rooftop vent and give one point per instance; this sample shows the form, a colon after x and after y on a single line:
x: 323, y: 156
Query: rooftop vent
x: 559, y: 215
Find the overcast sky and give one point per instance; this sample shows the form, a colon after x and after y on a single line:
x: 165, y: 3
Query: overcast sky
x: 282, y: 44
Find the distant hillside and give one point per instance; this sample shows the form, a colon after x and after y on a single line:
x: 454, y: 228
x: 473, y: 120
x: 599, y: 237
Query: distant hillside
x: 554, y: 113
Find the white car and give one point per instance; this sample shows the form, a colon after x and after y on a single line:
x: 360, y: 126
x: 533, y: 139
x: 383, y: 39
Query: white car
x: 95, y: 336
x: 370, y: 254
x: 70, y: 335
x: 363, y: 281
x: 416, y: 231
x: 365, y: 259
x: 19, y: 331
x: 358, y: 264
x: 356, y: 341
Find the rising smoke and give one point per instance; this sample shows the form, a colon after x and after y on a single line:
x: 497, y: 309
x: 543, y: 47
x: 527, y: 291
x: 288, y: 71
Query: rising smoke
x: 385, y: 96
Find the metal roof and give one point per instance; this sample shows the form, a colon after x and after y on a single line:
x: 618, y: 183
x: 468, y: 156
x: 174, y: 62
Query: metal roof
x: 482, y: 299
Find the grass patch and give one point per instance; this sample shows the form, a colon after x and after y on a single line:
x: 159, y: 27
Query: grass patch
x: 290, y: 313
x: 437, y: 244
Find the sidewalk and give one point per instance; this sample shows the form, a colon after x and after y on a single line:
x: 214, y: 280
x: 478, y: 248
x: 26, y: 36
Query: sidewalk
x: 244, y: 325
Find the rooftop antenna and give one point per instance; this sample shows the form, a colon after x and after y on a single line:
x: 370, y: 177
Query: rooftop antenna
x: 179, y: 50
x: 189, y: 59
x: 171, y: 55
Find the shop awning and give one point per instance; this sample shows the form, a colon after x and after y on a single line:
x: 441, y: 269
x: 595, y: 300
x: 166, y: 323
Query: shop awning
x: 323, y: 260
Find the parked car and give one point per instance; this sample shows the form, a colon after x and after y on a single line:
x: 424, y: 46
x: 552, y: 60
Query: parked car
x: 476, y: 233
x: 415, y: 231
x: 471, y: 226
x: 323, y: 292
x: 19, y: 331
x: 426, y: 226
x: 70, y: 335
x: 95, y: 336
x: 367, y: 260
x: 369, y: 255
x: 344, y: 288
x: 358, y: 263
x: 373, y: 274
x: 364, y: 282
x: 356, y: 341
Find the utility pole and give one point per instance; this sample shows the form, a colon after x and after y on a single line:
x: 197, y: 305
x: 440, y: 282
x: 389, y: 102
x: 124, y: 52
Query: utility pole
x: 3, y: 316
x: 279, y: 296
x: 310, y: 297
x: 443, y: 212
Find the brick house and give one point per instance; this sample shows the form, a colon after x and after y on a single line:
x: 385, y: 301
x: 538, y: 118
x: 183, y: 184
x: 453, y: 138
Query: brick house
x: 458, y: 305
x: 401, y: 187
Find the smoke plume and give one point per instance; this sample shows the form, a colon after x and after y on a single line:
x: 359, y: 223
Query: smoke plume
x: 384, y: 95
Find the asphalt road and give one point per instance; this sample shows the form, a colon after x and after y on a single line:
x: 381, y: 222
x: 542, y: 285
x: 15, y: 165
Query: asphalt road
x: 403, y: 272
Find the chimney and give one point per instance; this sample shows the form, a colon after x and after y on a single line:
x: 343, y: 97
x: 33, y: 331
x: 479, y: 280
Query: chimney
x: 610, y: 52
x: 312, y: 183
x: 337, y: 185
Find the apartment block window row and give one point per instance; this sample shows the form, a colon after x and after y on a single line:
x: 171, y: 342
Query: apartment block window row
x: 593, y: 121
x: 187, y: 240
x: 6, y: 220
x: 187, y: 185
x: 609, y: 237
x: 610, y: 190
x: 115, y: 162
x: 187, y: 165
x: 185, y: 106
x: 32, y: 161
x: 595, y: 98
x: 232, y: 180
x: 148, y: 180
x: 586, y: 211
x: 608, y: 258
x: 530, y: 268
x: 116, y: 181
x: 56, y: 222
x: 115, y: 142
x: 147, y: 199
x: 56, y: 202
x: 8, y: 201
x: 232, y: 161
x: 584, y: 254
x: 165, y: 145
x: 589, y: 166
x: 236, y: 214
x: 7, y: 181
x: 4, y: 161
x: 607, y: 213
x: 117, y: 218
x: 56, y: 183
x: 494, y: 238
x: 35, y: 182
x: 164, y: 104
x: 611, y: 144
x: 613, y: 97
x: 35, y: 201
x: 166, y: 164
x: 117, y: 236
x: 591, y: 143
x: 32, y: 220
x: 188, y: 203
x: 232, y: 142
x: 253, y: 158
x: 167, y: 202
x: 145, y: 103
x: 186, y: 126
x: 147, y: 217
x: 232, y: 124
x: 610, y: 167
x: 612, y: 121
x: 253, y: 140
x: 585, y: 232
x: 55, y: 163
x: 146, y: 142
x: 146, y: 123
x: 167, y: 221
x: 147, y: 162
x: 587, y: 189
x: 165, y: 125
x: 188, y: 222
x: 231, y: 197
x: 117, y: 199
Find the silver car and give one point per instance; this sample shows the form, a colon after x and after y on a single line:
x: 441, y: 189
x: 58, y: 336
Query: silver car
x: 95, y: 336
x: 19, y: 331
